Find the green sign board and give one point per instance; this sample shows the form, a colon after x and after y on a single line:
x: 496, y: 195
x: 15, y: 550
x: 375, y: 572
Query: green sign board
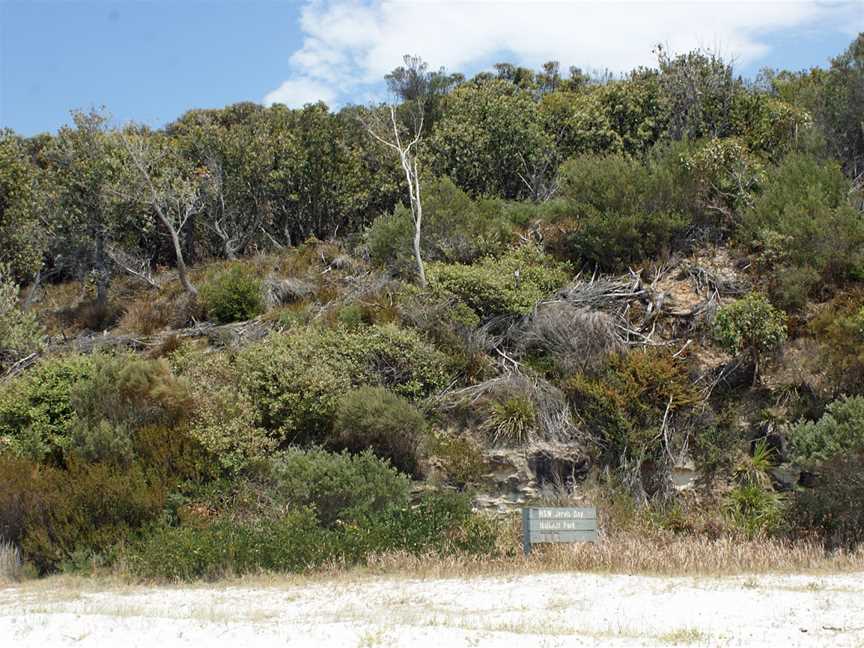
x: 558, y: 525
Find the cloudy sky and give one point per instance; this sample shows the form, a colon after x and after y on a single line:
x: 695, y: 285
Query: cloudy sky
x: 152, y: 60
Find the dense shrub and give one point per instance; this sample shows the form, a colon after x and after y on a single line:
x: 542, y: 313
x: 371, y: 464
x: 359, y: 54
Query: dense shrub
x: 460, y: 458
x: 616, y: 241
x: 74, y: 515
x: 120, y: 396
x: 507, y: 285
x: 295, y: 542
x: 80, y: 513
x: 36, y: 412
x: 224, y: 419
x: 337, y: 486
x: 750, y: 325
x: 291, y: 543
x: 296, y: 379
x: 233, y: 295
x: 804, y: 218
x: 625, y: 210
x: 376, y: 419
x: 840, y: 430
x: 835, y: 507
x: 624, y: 406
x: 840, y: 331
x: 20, y: 333
x: 455, y: 229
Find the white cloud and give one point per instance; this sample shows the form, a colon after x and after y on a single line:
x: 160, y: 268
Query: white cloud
x: 349, y: 45
x: 297, y: 92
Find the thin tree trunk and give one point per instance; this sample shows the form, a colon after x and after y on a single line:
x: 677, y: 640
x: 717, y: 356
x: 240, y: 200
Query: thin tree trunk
x: 181, y: 264
x: 101, y: 268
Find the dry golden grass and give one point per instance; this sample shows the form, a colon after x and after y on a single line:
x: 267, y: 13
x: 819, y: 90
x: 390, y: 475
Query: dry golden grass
x: 10, y: 563
x: 671, y: 556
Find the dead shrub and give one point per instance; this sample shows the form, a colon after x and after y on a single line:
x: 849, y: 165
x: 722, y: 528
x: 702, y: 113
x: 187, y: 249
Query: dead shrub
x: 515, y: 409
x: 579, y: 339
x: 147, y: 316
x: 278, y: 292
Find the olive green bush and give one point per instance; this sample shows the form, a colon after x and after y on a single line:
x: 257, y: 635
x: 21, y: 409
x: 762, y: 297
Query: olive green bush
x: 224, y: 418
x: 36, y: 411
x: 389, y: 425
x: 803, y: 219
x: 625, y: 210
x: 507, y: 285
x: 20, y: 332
x: 291, y: 543
x: 121, y: 395
x: 294, y: 541
x: 623, y: 407
x: 834, y: 508
x: 296, y: 379
x: 337, y: 486
x: 840, y: 430
x: 752, y: 326
x: 233, y: 295
x: 456, y: 229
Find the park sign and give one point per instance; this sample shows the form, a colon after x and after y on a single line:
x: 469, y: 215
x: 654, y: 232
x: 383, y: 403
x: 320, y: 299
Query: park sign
x: 558, y: 525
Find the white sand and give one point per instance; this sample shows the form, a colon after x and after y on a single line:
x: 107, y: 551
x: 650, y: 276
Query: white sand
x: 542, y: 610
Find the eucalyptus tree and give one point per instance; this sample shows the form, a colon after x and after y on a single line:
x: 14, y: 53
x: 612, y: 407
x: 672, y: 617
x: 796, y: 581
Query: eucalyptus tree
x: 492, y: 141
x: 80, y: 180
x: 162, y: 181
x: 23, y: 237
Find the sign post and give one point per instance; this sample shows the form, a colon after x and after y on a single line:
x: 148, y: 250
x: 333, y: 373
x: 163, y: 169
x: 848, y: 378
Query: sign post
x: 556, y: 525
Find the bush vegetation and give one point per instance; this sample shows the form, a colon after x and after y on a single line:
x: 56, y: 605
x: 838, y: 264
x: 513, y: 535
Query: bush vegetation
x: 389, y: 425
x: 702, y: 217
x: 233, y: 295
x: 507, y: 285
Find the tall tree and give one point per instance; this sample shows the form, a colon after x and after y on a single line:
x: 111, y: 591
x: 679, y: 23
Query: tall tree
x: 81, y: 175
x: 160, y: 179
x: 385, y: 127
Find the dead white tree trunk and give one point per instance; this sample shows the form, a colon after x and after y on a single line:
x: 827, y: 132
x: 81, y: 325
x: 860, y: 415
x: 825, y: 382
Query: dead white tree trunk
x: 407, y: 152
x: 172, y: 197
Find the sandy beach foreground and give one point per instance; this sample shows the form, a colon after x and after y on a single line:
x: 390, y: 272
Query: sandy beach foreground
x: 526, y: 610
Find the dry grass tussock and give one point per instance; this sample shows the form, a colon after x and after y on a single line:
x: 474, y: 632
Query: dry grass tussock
x: 631, y: 554
x: 10, y: 562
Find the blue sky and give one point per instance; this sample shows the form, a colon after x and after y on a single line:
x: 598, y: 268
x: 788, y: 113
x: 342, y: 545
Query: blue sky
x: 150, y: 61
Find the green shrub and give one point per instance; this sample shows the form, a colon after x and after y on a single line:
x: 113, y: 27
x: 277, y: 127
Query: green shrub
x: 36, y: 412
x: 295, y: 542
x: 615, y: 241
x: 233, y: 295
x: 121, y: 395
x: 441, y: 523
x: 840, y: 430
x: 459, y: 457
x: 337, y: 486
x: 224, y: 418
x: 624, y: 407
x: 840, y: 332
x: 376, y: 419
x: 81, y: 513
x: 296, y: 379
x: 492, y: 286
x: 20, y: 333
x: 625, y: 210
x: 835, y: 507
x: 804, y: 218
x: 292, y: 543
x: 753, y: 509
x: 455, y: 229
x: 750, y: 325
